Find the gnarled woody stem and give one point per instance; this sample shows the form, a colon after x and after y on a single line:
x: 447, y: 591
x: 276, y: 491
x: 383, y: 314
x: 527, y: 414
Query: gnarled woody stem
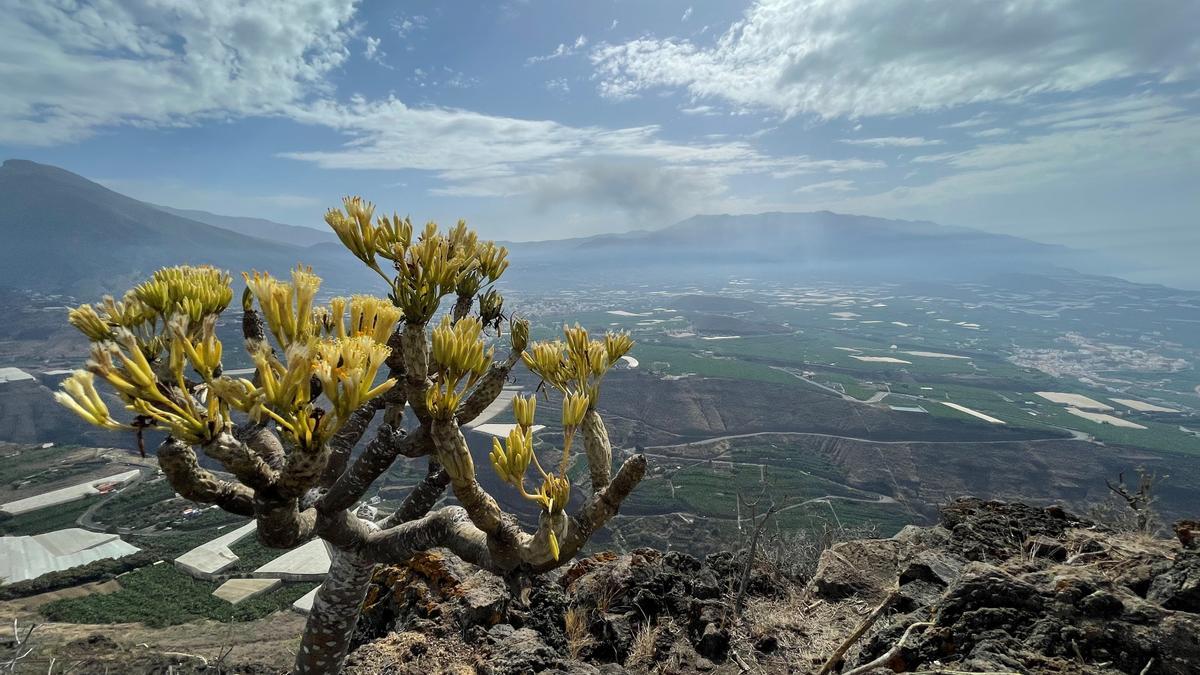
x: 182, y: 469
x: 334, y: 614
x: 454, y: 454
x: 240, y: 460
x: 597, y: 448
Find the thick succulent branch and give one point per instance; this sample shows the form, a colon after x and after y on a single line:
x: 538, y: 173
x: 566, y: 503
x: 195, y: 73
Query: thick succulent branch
x: 334, y: 614
x: 253, y: 328
x: 302, y: 471
x: 448, y: 527
x: 462, y: 306
x: 486, y: 391
x: 601, y: 507
x: 454, y: 454
x: 240, y: 460
x: 182, y: 469
x: 598, y: 449
x: 281, y: 523
x: 259, y: 437
x: 343, y: 442
x: 375, y: 459
x: 422, y: 497
x: 414, y: 347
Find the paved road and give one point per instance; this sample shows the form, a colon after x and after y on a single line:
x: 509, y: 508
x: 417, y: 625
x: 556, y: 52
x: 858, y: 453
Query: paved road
x: 717, y: 439
x: 87, y: 520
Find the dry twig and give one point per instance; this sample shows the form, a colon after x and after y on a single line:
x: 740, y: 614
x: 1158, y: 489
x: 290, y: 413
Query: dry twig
x: 863, y: 627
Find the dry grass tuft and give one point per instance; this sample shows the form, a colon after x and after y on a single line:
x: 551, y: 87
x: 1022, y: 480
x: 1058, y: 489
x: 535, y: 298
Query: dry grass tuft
x: 576, y: 628
x: 641, y: 652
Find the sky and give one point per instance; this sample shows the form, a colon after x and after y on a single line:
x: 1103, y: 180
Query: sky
x: 1065, y: 121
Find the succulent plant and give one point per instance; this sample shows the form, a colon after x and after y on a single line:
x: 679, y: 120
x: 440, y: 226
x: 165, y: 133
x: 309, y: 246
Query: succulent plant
x: 322, y: 373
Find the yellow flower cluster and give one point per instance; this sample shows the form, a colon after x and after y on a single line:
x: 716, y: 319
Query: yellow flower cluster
x: 80, y: 396
x: 347, y: 368
x: 123, y: 364
x: 579, y: 363
x: 511, y: 459
x: 369, y: 315
x: 459, y: 359
x: 287, y: 307
x: 202, y: 349
x: 428, y: 268
x: 193, y: 291
x: 189, y: 301
x: 576, y: 366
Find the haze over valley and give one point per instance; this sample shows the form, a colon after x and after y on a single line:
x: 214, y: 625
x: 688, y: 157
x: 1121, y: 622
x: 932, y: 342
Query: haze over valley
x: 821, y: 336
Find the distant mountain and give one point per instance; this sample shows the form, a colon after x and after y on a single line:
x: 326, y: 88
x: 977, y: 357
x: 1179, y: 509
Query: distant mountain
x: 257, y: 227
x: 799, y: 245
x: 64, y: 233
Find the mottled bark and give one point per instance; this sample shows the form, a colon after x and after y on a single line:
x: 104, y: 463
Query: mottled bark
x: 281, y: 522
x: 414, y: 347
x: 484, y: 393
x: 241, y: 461
x: 182, y: 469
x: 342, y: 444
x: 375, y: 459
x: 600, y: 508
x: 422, y: 497
x: 598, y: 449
x: 334, y: 614
x: 302, y: 471
x: 455, y: 456
x: 259, y: 437
x: 253, y: 328
x: 462, y: 307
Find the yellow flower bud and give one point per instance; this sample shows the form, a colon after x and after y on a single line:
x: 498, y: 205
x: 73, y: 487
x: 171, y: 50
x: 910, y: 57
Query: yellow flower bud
x: 524, y: 408
x: 574, y: 407
x: 85, y: 319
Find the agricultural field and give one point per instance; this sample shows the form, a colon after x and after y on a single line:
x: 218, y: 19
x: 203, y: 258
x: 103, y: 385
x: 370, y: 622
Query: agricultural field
x: 159, y: 595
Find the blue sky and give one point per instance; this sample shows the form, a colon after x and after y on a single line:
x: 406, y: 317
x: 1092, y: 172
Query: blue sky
x: 1069, y: 121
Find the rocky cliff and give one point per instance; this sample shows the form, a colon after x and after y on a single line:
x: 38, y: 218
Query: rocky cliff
x: 993, y: 588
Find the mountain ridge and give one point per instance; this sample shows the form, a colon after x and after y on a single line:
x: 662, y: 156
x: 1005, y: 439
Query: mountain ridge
x: 91, y: 239
x: 73, y: 214
x: 260, y: 228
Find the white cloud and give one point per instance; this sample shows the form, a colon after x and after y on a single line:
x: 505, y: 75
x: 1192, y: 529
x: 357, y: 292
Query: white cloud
x: 687, y: 14
x: 893, y: 141
x: 558, y: 85
x: 862, y: 57
x: 372, y: 52
x: 977, y: 120
x: 548, y: 163
x: 72, y: 69
x: 990, y: 133
x: 827, y: 186
x: 563, y: 49
x: 407, y: 25
x: 1058, y: 158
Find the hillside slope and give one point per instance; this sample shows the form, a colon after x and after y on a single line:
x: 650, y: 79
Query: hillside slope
x: 261, y: 228
x: 66, y: 233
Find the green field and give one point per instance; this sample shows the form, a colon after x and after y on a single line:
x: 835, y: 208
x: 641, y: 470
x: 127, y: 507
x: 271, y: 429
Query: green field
x: 160, y: 595
x: 49, y: 519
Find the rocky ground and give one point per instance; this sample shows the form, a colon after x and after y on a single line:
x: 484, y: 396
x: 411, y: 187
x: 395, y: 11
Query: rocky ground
x: 994, y: 588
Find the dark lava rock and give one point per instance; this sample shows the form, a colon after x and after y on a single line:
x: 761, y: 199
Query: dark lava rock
x: 1178, y: 587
